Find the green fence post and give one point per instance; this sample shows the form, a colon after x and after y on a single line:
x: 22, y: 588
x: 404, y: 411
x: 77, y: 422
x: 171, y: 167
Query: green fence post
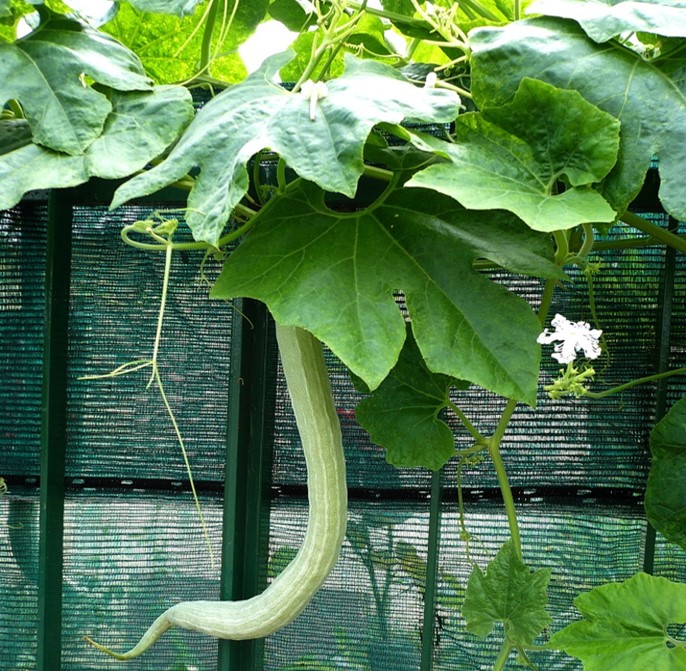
x: 53, y: 431
x: 430, y: 589
x: 248, y: 469
x: 664, y: 340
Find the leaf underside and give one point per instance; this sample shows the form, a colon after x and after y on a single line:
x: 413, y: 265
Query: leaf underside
x: 335, y: 275
x: 402, y: 414
x: 625, y: 626
x: 509, y: 593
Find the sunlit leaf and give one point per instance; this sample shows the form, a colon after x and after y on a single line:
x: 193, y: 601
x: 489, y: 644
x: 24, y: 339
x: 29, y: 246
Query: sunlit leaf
x: 626, y: 626
x: 665, y: 498
x: 178, y: 7
x: 170, y: 45
x: 140, y: 127
x: 326, y: 148
x: 604, y: 19
x: 335, y: 275
x: 291, y: 14
x: 647, y: 100
x: 508, y: 593
x: 504, y: 158
x: 402, y: 414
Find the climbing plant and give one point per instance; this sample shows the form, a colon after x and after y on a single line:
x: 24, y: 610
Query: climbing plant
x: 413, y: 144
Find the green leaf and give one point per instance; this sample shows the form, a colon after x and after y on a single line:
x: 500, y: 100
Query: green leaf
x: 510, y: 593
x: 170, y: 46
x: 625, y: 626
x: 302, y: 47
x: 369, y: 33
x: 604, y: 19
x: 177, y: 7
x: 257, y: 113
x: 617, y: 81
x: 14, y: 8
x: 291, y: 14
x: 504, y: 158
x: 334, y: 274
x: 402, y: 414
x: 44, y: 72
x: 404, y: 7
x: 141, y: 126
x: 665, y: 498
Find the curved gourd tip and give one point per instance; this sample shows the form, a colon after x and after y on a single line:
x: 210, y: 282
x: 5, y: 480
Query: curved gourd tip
x: 145, y: 643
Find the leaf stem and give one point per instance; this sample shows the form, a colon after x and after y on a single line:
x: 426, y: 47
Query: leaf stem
x: 655, y: 231
x: 546, y: 300
x: 629, y: 243
x: 381, y: 174
x: 633, y: 383
x: 476, y: 434
x: 562, y: 247
x: 477, y: 7
x: 208, y: 32
x: 503, y: 656
x: 394, y: 17
x: 494, y: 450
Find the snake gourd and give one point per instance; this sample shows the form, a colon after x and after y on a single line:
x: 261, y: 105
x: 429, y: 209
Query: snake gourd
x: 285, y: 598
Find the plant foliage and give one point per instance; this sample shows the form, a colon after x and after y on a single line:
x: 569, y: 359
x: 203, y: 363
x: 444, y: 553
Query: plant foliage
x: 416, y: 151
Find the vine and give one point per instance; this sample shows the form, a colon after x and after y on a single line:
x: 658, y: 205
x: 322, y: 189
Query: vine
x: 162, y: 232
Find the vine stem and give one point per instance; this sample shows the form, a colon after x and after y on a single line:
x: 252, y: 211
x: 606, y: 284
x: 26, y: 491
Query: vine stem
x: 160, y: 314
x: 655, y: 231
x: 476, y: 434
x: 505, y: 489
x: 503, y: 656
x: 494, y: 451
x: 633, y: 383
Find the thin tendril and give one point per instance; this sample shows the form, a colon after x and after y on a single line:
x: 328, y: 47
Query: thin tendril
x: 156, y: 378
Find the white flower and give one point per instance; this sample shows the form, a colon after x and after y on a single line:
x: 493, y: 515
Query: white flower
x: 430, y: 81
x: 574, y: 337
x: 314, y: 91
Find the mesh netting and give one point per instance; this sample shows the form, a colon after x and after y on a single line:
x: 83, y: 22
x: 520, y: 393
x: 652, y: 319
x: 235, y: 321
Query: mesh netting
x: 133, y: 543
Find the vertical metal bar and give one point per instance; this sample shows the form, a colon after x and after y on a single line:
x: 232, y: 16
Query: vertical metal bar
x: 666, y: 303
x: 248, y: 470
x: 53, y: 432
x: 429, y: 623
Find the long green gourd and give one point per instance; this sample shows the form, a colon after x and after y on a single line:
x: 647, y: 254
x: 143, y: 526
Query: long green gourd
x: 285, y: 598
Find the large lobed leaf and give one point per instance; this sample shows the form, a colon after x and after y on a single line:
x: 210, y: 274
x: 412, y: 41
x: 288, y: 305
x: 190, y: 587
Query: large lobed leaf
x: 604, y: 19
x: 334, y: 275
x: 665, y: 498
x: 140, y: 127
x: 505, y: 158
x: 402, y: 414
x: 258, y: 114
x: 45, y: 72
x: 626, y: 626
x: 509, y: 593
x: 647, y: 100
